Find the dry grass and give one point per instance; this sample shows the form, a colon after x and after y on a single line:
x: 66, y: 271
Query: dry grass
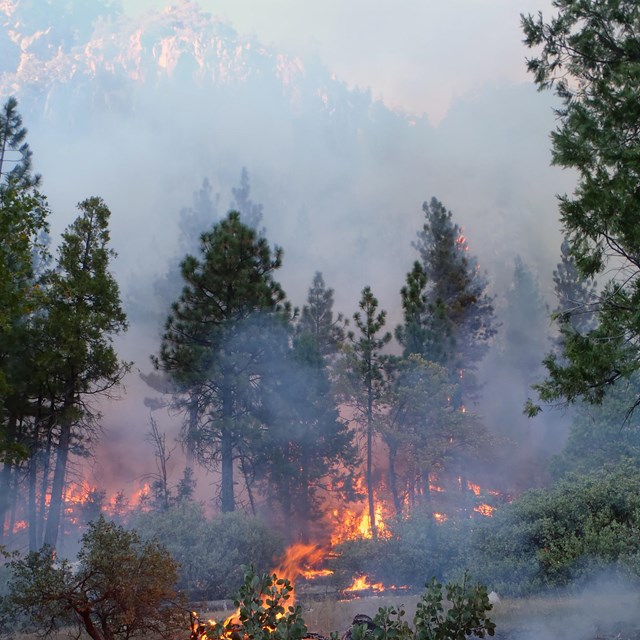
x: 587, y: 617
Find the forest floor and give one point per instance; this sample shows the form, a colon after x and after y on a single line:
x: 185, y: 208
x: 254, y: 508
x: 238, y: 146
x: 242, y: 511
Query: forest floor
x: 604, y: 615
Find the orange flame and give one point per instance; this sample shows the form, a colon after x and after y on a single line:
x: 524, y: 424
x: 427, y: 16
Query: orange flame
x: 485, y: 510
x: 473, y: 487
x: 21, y: 525
x: 362, y: 582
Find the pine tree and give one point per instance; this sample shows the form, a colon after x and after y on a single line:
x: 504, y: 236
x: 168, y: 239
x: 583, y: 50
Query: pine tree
x: 456, y: 312
x: 589, y: 54
x: 576, y: 297
x: 15, y: 154
x: 310, y: 449
x: 363, y: 379
x: 211, y: 347
x: 84, y: 312
x: 23, y: 257
x: 250, y: 212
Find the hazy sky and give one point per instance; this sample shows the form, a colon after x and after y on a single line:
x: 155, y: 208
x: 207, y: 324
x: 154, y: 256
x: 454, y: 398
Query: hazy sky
x: 415, y: 54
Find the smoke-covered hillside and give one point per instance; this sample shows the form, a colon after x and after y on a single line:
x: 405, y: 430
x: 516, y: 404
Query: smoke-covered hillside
x: 141, y: 111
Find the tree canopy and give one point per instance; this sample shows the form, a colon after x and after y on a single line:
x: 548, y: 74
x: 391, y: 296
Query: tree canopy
x: 589, y: 53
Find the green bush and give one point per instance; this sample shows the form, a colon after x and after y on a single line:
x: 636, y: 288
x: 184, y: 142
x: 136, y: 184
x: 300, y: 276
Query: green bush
x: 263, y: 612
x: 563, y: 535
x: 456, y: 613
x: 418, y: 547
x: 121, y: 588
x: 211, y: 552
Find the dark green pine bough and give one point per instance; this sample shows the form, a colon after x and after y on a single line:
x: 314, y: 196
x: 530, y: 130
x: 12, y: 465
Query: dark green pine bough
x: 589, y: 53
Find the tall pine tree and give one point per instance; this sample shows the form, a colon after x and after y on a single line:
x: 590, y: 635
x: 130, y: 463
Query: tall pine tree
x: 83, y: 315
x: 455, y: 312
x: 212, y: 348
x: 363, y: 380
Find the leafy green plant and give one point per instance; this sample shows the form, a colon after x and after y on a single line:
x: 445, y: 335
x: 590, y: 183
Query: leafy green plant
x: 456, y: 613
x: 464, y: 617
x: 263, y: 613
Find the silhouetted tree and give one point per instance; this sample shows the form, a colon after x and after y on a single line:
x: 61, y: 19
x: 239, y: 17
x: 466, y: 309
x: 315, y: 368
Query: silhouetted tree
x: 309, y: 451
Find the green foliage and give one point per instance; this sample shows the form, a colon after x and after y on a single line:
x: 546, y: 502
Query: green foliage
x: 12, y: 138
x: 363, y: 380
x: 564, y: 535
x: 589, y: 53
x: 417, y: 546
x: 218, y: 339
x: 455, y: 613
x: 309, y: 448
x: 122, y: 588
x: 601, y: 435
x: 464, y: 617
x: 210, y: 552
x: 446, y: 304
x: 421, y: 427
x: 389, y: 625
x: 263, y: 613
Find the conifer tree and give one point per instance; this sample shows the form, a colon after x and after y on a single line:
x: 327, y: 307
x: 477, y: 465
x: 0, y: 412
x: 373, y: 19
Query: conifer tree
x: 83, y: 315
x: 310, y: 448
x: 575, y: 295
x: 212, y: 346
x: 15, y: 154
x: 588, y: 53
x: 363, y: 379
x: 455, y: 312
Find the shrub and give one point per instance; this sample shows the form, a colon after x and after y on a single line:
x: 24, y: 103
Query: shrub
x: 122, y: 588
x: 211, y: 552
x: 566, y: 534
x: 263, y: 613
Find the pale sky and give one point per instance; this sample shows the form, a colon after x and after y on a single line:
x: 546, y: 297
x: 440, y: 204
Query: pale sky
x: 415, y: 54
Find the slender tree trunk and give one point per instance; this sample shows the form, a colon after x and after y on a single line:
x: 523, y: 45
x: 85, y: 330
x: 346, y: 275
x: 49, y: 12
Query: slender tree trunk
x: 369, y: 473
x: 33, y: 511
x: 14, y: 500
x: 226, y: 451
x: 5, y: 477
x: 393, y: 477
x: 57, y: 485
x: 248, y: 485
x: 44, y: 485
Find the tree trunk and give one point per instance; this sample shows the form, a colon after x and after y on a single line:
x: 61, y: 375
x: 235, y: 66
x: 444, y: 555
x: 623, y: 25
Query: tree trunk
x: 44, y: 485
x: 369, y: 474
x: 227, y: 498
x: 14, y: 500
x: 248, y: 485
x: 33, y: 511
x: 393, y: 477
x: 5, y: 477
x: 57, y: 485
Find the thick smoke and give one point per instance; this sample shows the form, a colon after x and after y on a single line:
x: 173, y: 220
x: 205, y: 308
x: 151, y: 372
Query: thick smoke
x: 142, y: 110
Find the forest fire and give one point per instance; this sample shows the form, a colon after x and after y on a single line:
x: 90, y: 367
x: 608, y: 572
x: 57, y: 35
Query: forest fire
x: 361, y: 583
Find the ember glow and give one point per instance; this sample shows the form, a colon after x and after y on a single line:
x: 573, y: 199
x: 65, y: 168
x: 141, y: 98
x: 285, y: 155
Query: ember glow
x: 474, y: 487
x: 485, y: 510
